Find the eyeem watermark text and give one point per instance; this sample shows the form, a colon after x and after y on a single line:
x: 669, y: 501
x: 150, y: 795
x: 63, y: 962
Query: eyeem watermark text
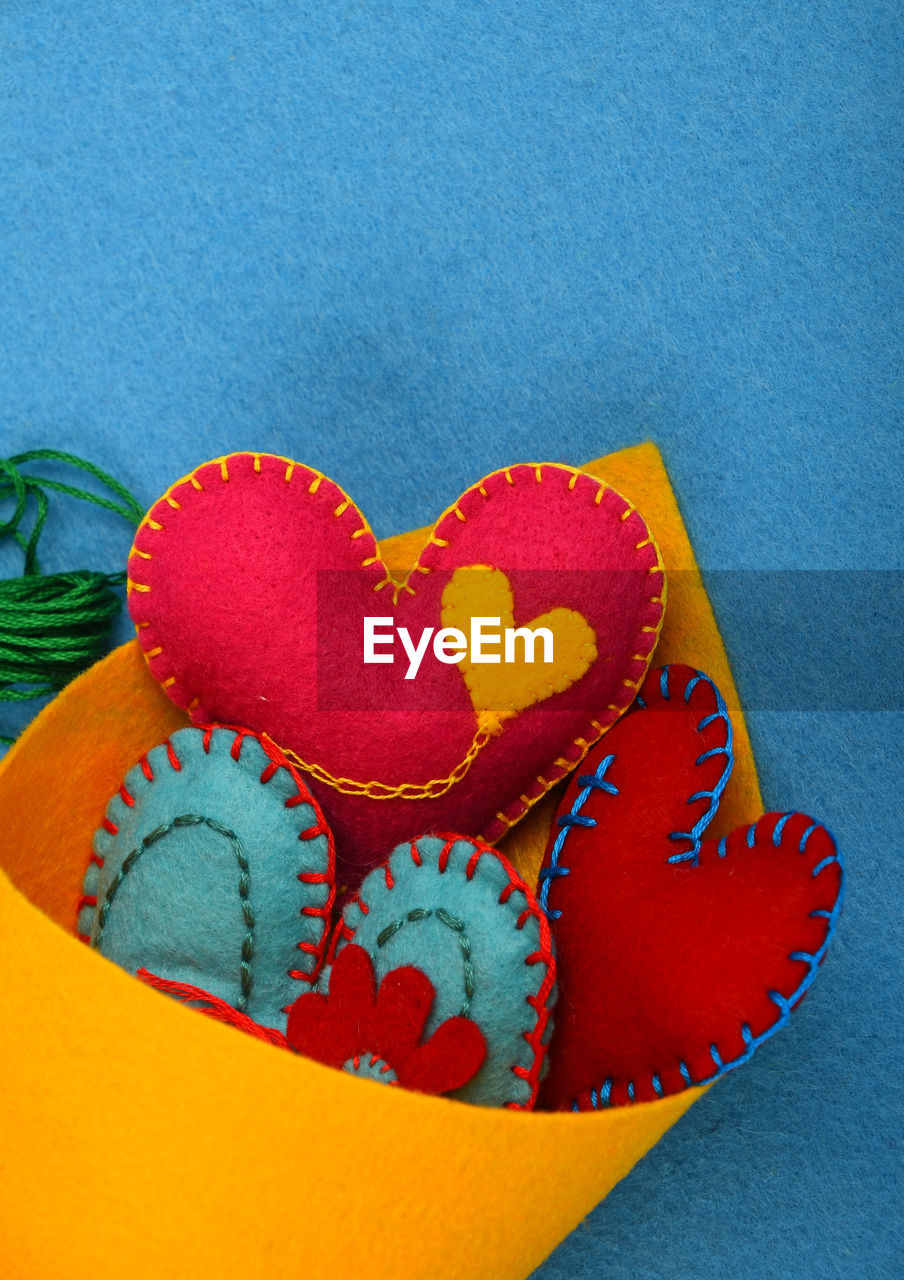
x: 489, y: 641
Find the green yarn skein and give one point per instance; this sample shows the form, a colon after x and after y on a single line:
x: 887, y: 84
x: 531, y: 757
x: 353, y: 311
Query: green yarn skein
x: 55, y: 625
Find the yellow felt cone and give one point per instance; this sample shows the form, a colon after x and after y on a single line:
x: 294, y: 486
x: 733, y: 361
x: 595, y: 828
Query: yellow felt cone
x: 141, y: 1140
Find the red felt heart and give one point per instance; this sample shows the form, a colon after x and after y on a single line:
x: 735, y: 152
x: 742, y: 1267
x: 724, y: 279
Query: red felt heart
x: 676, y: 956
x: 251, y: 578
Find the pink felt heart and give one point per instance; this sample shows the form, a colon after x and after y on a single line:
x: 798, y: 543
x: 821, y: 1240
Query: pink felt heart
x: 250, y: 581
x: 677, y: 955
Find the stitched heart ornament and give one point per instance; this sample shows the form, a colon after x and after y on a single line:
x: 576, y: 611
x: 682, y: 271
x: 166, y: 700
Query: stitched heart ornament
x: 440, y: 978
x: 250, y: 583
x: 677, y: 955
x: 456, y: 911
x: 214, y: 866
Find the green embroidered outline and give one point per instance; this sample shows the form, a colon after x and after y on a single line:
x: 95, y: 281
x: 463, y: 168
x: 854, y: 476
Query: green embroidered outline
x: 453, y: 922
x: 152, y: 838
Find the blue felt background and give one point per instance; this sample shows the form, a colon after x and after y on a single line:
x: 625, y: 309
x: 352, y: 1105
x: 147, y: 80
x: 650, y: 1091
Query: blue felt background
x: 410, y: 242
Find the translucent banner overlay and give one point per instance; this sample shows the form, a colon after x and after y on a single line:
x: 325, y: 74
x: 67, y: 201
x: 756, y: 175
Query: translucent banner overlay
x: 820, y: 639
x: 797, y: 640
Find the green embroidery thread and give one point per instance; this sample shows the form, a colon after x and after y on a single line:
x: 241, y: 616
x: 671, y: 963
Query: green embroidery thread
x: 53, y: 626
x: 452, y: 922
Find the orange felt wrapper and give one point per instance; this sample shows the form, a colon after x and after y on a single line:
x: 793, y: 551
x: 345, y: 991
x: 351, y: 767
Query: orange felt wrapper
x: 142, y: 1140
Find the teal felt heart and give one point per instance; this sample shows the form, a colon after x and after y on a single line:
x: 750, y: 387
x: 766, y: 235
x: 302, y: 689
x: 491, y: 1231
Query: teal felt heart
x: 214, y: 867
x: 456, y: 910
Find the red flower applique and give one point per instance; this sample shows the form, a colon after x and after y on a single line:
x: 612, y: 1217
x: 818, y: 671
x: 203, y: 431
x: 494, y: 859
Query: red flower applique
x: 367, y: 1032
x: 378, y: 1033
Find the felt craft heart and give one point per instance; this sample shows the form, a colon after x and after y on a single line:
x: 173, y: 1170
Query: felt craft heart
x: 504, y: 691
x: 677, y: 957
x: 456, y: 911
x: 249, y: 584
x: 214, y: 866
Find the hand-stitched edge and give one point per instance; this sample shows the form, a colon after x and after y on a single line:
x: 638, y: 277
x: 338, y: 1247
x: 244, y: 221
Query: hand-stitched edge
x: 600, y: 1098
x: 316, y: 480
x: 303, y: 796
x: 575, y: 752
x: 373, y: 561
x: 553, y: 869
x: 544, y: 955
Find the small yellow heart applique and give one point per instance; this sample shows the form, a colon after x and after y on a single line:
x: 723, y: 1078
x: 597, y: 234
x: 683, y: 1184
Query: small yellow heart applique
x: 503, y: 682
